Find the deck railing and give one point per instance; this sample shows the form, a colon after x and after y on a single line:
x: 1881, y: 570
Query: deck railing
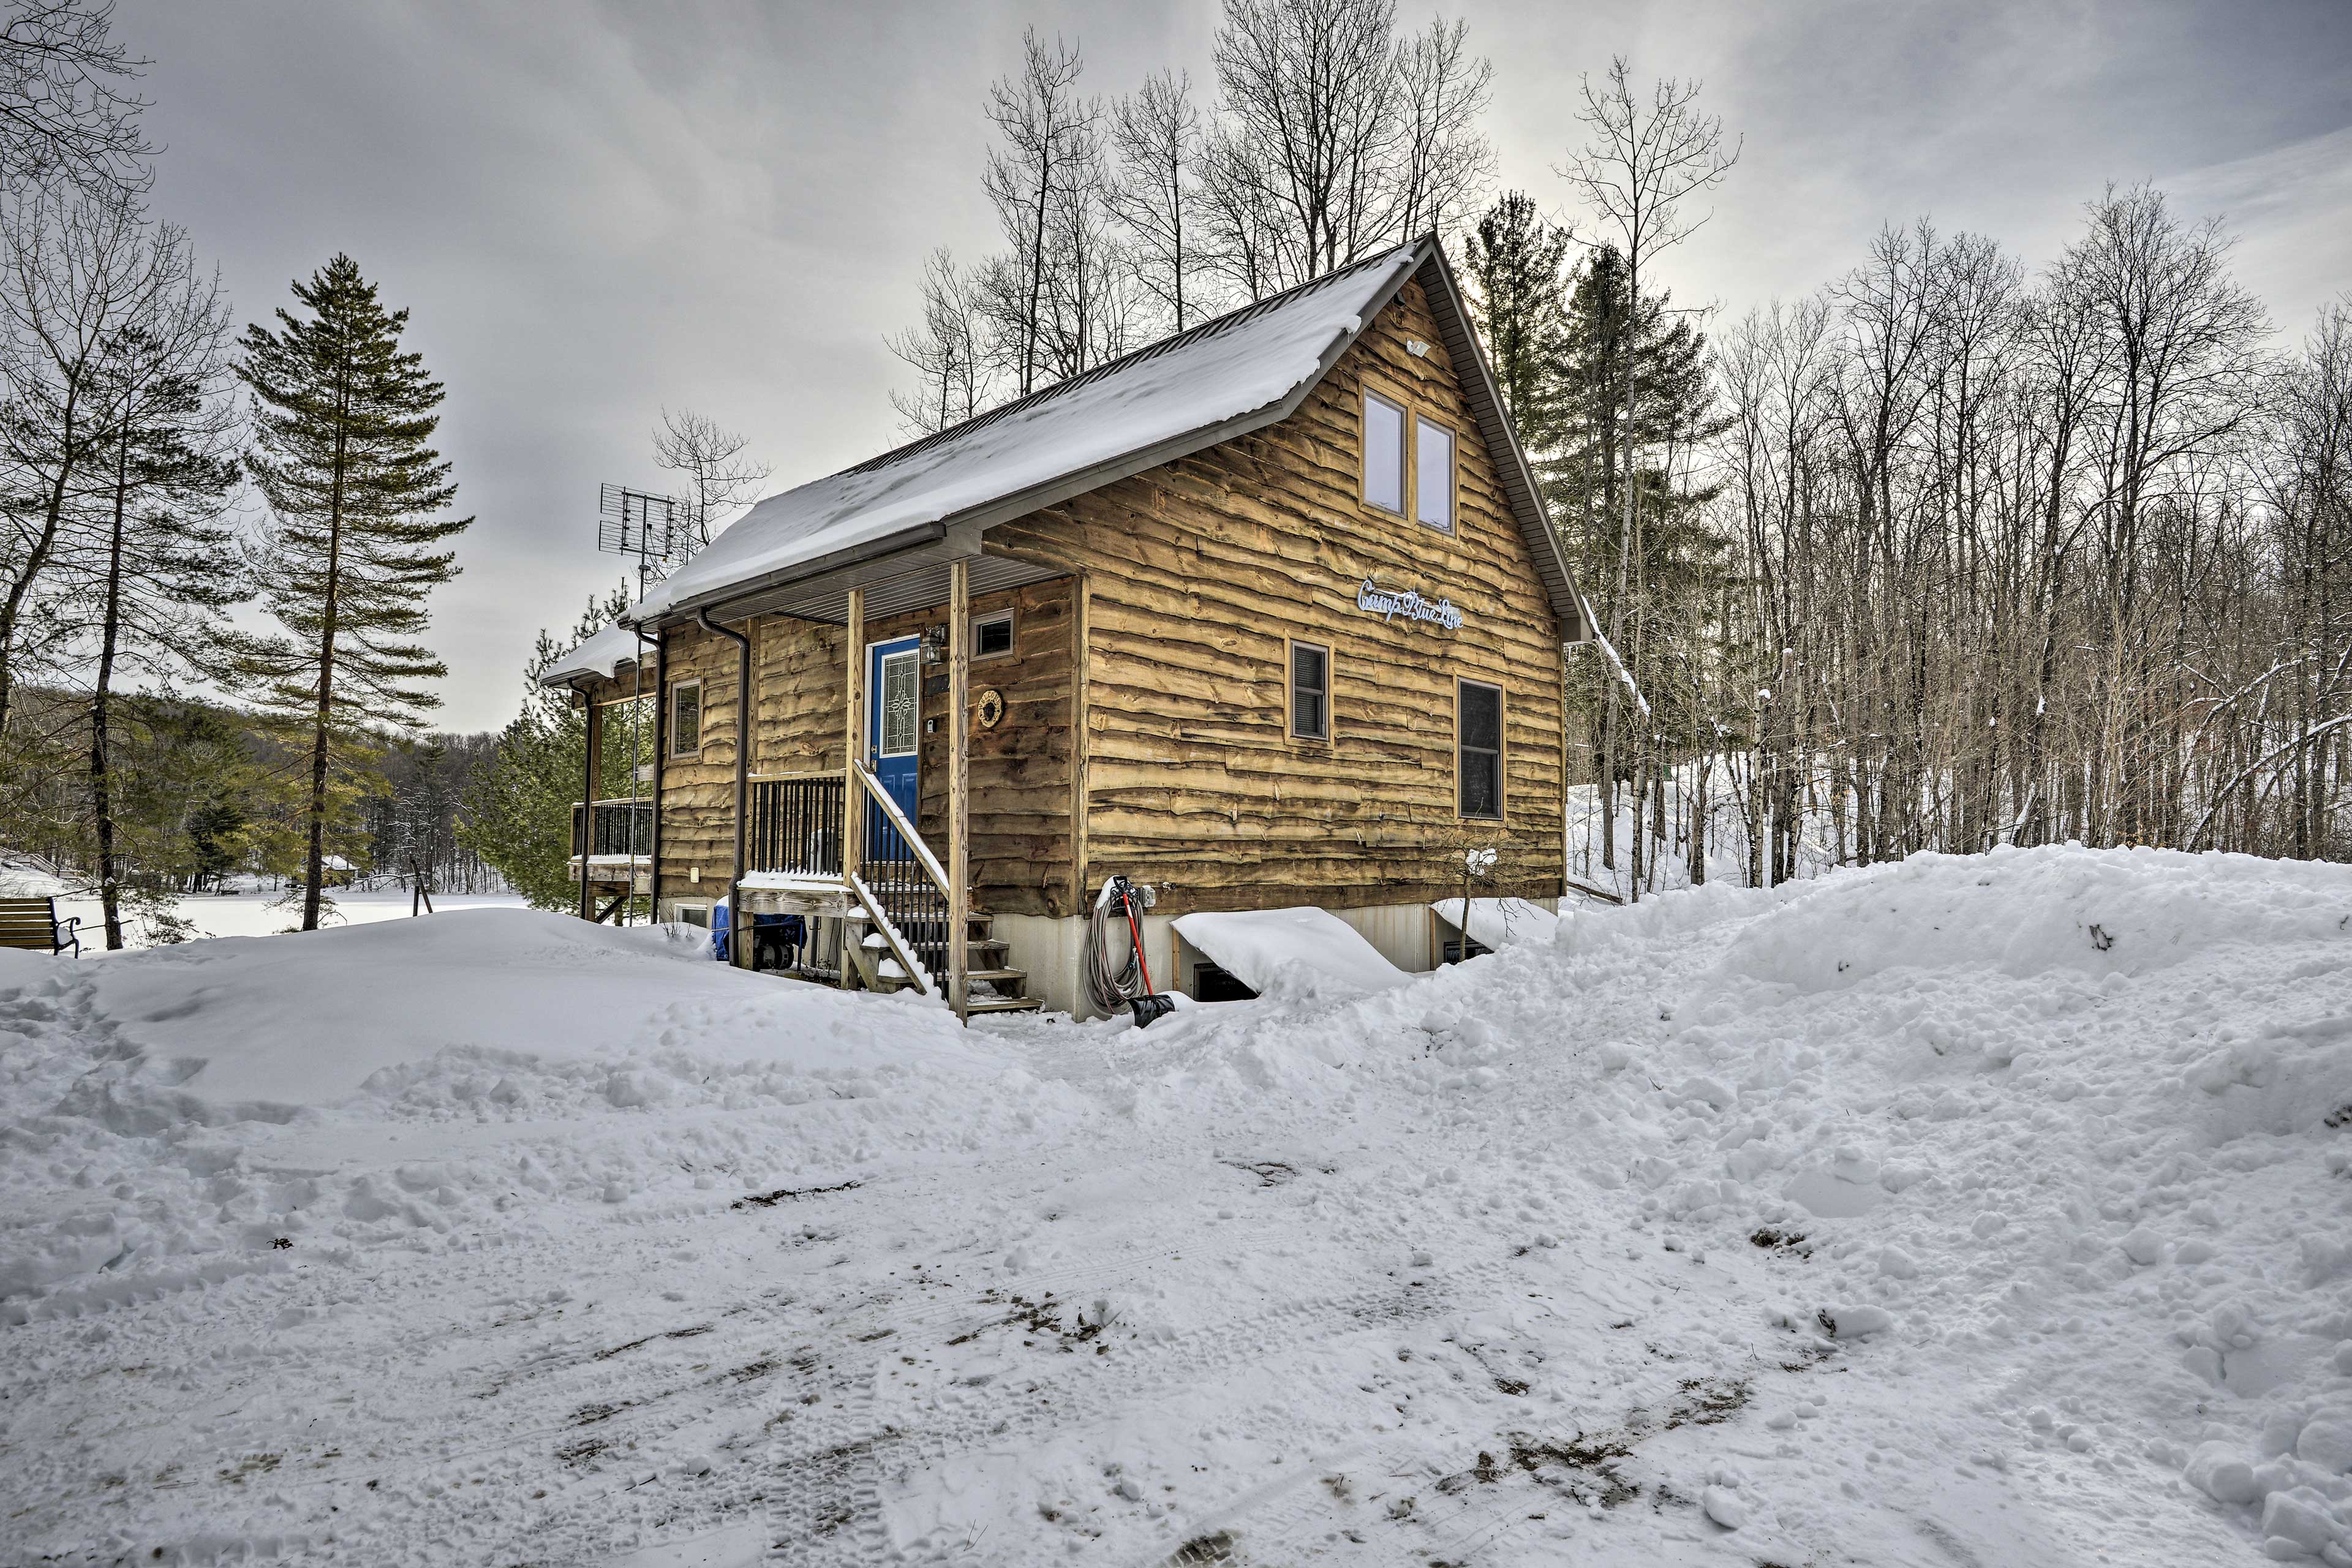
x: 795, y: 826
x: 612, y: 827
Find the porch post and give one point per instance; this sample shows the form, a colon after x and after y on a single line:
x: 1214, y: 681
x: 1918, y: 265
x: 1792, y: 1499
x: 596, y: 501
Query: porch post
x: 661, y: 746
x: 591, y: 777
x: 853, y: 740
x: 960, y: 788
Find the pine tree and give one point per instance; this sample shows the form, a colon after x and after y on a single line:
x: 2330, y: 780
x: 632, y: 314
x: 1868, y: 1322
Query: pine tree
x: 343, y: 420
x: 1516, y: 267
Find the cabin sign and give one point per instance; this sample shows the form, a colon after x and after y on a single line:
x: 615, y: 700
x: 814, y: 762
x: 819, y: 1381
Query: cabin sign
x: 1390, y: 602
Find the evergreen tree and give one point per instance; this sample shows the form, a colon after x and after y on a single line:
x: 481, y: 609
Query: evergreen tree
x: 1515, y: 266
x: 344, y: 417
x: 1611, y: 350
x: 517, y: 805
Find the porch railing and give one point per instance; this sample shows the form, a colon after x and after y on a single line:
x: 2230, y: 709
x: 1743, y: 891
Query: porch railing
x: 612, y: 827
x: 795, y: 826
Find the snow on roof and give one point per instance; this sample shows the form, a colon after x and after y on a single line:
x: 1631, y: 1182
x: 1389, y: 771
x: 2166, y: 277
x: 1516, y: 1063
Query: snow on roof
x: 601, y: 655
x: 1223, y: 370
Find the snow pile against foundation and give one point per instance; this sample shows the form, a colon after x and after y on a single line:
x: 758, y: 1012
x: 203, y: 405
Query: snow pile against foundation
x: 1291, y: 953
x: 1499, y: 924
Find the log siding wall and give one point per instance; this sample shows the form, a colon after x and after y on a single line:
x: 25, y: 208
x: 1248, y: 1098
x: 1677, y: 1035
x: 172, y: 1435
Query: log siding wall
x: 1201, y: 571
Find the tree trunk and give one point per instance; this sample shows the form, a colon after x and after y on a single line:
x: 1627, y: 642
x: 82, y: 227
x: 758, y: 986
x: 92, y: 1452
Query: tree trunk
x: 102, y: 793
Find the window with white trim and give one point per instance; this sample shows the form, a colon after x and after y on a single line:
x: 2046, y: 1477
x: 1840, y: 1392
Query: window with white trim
x: 1432, y: 474
x: 1383, y: 454
x: 992, y: 634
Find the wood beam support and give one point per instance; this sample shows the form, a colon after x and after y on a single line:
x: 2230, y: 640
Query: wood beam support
x: 853, y: 754
x: 958, y: 931
x: 1080, y: 902
x: 591, y: 778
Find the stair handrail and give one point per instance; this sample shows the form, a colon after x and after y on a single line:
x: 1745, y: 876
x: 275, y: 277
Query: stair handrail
x: 923, y: 856
x: 899, y: 948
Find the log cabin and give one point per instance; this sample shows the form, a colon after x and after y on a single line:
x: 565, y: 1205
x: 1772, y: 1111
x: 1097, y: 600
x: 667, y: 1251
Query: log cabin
x: 1265, y: 615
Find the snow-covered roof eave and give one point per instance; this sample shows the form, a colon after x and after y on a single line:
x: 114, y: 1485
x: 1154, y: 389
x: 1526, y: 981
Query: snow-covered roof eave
x: 600, y: 658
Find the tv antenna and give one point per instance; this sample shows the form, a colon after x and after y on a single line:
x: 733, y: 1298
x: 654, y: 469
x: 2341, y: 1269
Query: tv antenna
x: 654, y: 528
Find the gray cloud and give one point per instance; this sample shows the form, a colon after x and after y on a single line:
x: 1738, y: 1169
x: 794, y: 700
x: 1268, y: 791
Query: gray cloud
x: 594, y: 210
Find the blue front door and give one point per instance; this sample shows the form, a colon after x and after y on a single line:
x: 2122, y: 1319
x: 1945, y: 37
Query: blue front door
x: 893, y: 686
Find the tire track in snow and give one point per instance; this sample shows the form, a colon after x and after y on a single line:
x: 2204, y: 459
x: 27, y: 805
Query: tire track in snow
x: 832, y: 1469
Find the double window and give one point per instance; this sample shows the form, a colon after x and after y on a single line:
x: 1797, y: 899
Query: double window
x: 1310, y: 691
x: 1393, y: 469
x: 1478, y: 746
x: 686, y: 718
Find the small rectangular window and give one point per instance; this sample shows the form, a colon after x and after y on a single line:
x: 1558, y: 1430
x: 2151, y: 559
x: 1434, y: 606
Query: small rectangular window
x: 692, y: 914
x: 686, y: 718
x: 991, y: 635
x: 1310, y: 691
x: 1383, y: 454
x: 1478, y: 728
x: 1433, y: 468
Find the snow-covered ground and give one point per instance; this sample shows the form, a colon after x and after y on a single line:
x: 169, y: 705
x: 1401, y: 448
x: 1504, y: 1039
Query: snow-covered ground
x: 262, y: 915
x: 1987, y: 1211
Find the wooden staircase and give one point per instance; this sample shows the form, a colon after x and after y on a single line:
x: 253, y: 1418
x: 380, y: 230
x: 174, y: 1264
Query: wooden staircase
x: 997, y: 987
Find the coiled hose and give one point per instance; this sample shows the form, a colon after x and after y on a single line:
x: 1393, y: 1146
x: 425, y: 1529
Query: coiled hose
x: 1108, y: 987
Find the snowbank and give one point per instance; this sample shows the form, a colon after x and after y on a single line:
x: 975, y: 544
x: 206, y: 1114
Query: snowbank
x: 1497, y: 923
x: 221, y: 1094
x: 309, y: 1019
x: 1886, y: 1218
x: 1291, y: 953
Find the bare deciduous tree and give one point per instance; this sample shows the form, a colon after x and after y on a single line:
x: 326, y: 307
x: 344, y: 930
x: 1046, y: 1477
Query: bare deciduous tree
x: 64, y: 112
x: 709, y: 460
x: 1156, y: 135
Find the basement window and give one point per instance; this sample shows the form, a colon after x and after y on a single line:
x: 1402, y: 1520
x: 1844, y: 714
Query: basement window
x: 1383, y: 454
x: 1478, y: 735
x: 1310, y: 691
x: 686, y: 718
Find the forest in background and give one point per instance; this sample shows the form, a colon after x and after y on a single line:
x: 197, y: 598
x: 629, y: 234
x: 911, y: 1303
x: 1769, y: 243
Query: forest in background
x: 1958, y: 551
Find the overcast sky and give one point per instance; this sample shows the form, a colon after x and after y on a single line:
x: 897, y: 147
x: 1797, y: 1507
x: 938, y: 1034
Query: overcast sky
x: 592, y: 210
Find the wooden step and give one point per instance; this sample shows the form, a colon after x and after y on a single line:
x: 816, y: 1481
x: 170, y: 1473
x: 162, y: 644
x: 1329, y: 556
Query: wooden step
x: 995, y: 975
x: 1002, y: 1005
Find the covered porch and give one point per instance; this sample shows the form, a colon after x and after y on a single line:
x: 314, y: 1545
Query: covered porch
x: 850, y: 806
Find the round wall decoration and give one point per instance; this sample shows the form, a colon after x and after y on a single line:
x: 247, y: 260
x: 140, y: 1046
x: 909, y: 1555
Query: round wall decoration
x: 991, y: 708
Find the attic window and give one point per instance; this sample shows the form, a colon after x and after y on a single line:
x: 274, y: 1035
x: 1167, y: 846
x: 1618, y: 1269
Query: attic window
x: 1432, y: 473
x: 1383, y: 454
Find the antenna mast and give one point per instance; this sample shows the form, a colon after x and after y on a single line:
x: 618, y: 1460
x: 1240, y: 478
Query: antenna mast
x: 655, y: 530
